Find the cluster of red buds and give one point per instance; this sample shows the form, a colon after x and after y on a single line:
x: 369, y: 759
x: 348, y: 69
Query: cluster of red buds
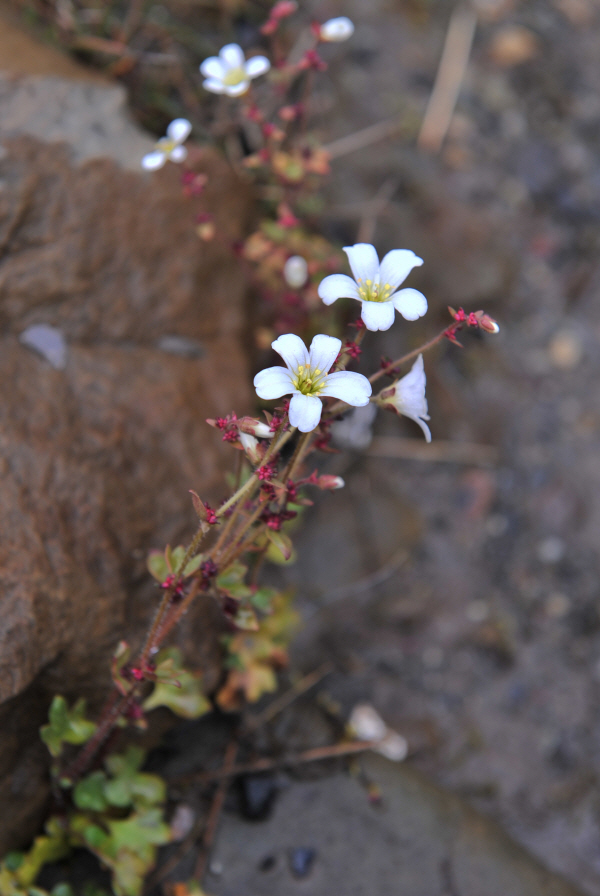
x: 276, y: 519
x: 193, y: 183
x: 173, y: 584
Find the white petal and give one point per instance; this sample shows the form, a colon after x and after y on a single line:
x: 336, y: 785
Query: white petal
x: 323, y: 352
x: 411, y: 303
x: 213, y: 85
x: 305, y: 411
x: 154, y: 160
x: 336, y: 30
x: 292, y: 350
x: 295, y: 271
x: 232, y: 55
x: 363, y: 261
x: 273, y: 383
x: 178, y: 154
x: 237, y: 89
x: 337, y: 286
x: 377, y: 315
x: 410, y: 400
x: 422, y: 424
x: 258, y: 65
x: 213, y: 68
x: 353, y: 388
x: 397, y: 265
x: 179, y: 130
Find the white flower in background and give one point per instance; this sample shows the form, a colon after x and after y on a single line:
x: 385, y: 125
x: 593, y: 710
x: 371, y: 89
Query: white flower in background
x: 295, y: 271
x: 169, y: 147
x: 230, y: 72
x: 407, y: 397
x: 306, y: 377
x: 336, y: 30
x: 376, y: 286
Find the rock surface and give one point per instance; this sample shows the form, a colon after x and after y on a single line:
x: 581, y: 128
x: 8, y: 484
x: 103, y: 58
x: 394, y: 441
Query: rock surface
x: 420, y: 841
x: 99, y: 451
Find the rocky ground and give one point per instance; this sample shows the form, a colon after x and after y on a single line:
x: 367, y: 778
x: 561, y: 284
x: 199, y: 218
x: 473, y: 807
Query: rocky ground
x: 461, y: 599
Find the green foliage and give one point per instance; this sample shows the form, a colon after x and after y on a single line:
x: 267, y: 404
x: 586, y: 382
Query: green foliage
x: 66, y: 725
x: 19, y: 870
x: 162, y: 565
x: 177, y: 688
x: 280, y: 548
x: 231, y: 581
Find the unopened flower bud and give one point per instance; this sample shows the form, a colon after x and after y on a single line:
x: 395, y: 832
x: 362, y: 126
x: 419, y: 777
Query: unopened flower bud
x: 487, y: 323
x: 250, y: 446
x: 295, y: 271
x: 254, y: 427
x: 329, y: 483
x: 336, y: 30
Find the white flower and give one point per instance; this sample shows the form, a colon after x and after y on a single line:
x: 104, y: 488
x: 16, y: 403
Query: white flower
x: 169, y: 147
x: 407, y: 396
x: 375, y: 285
x: 295, y: 271
x: 336, y: 30
x: 230, y: 72
x: 306, y: 377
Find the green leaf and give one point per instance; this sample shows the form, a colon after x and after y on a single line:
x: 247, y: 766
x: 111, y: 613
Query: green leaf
x: 175, y: 557
x: 158, y: 566
x: 118, y: 792
x: 194, y: 564
x: 263, y: 598
x: 62, y: 889
x: 245, y: 619
x: 49, y: 847
x: 231, y: 581
x: 176, y: 687
x: 280, y: 548
x: 66, y: 725
x: 89, y: 792
x: 125, y: 764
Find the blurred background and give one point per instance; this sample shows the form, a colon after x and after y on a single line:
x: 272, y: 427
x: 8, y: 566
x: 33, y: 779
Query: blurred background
x: 453, y: 588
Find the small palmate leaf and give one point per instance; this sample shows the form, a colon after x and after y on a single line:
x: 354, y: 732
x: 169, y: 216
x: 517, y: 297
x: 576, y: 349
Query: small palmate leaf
x: 66, y: 725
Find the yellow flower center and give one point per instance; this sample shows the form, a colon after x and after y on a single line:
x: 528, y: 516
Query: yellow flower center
x: 308, y: 381
x: 235, y: 76
x: 374, y: 292
x: 166, y: 145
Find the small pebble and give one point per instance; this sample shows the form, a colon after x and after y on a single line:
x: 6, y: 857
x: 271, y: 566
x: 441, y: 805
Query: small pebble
x: 301, y: 861
x: 48, y: 342
x: 551, y: 550
x: 267, y: 864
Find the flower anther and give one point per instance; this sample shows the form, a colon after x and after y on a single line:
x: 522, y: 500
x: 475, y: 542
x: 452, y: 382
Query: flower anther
x: 306, y: 377
x: 376, y: 285
x: 169, y: 147
x: 230, y: 72
x: 407, y: 397
x: 336, y: 30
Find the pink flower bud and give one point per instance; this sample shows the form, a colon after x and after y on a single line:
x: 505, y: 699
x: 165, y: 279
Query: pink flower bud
x: 330, y: 483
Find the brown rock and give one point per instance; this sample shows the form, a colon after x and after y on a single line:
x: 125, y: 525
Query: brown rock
x: 99, y: 451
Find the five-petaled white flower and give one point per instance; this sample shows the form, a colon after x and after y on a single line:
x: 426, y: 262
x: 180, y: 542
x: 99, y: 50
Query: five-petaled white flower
x: 169, y: 147
x: 376, y: 286
x: 336, y: 30
x: 306, y: 377
x: 407, y: 397
x: 230, y: 72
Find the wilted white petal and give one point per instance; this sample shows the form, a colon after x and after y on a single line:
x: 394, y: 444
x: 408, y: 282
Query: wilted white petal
x: 213, y: 85
x: 393, y: 746
x: 337, y: 286
x: 179, y: 130
x: 232, y: 55
x: 248, y: 442
x: 353, y: 388
x: 336, y: 30
x: 154, y: 160
x: 273, y: 383
x: 295, y: 271
x: 292, y: 350
x: 363, y: 261
x: 256, y: 66
x: 237, y: 89
x: 323, y: 352
x: 411, y: 303
x: 178, y: 154
x: 213, y: 68
x: 366, y: 722
x: 305, y: 411
x: 409, y: 398
x: 377, y: 315
x: 397, y: 265
x: 263, y: 431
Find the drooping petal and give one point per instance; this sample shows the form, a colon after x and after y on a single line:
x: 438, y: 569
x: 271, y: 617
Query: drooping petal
x: 213, y: 68
x: 411, y: 303
x: 409, y: 398
x: 258, y: 65
x: 423, y: 425
x: 214, y: 85
x: 353, y: 388
x: 237, y: 89
x: 378, y: 315
x: 179, y: 130
x: 397, y: 265
x: 273, y: 383
x: 292, y: 350
x: 154, y: 160
x: 337, y: 286
x: 178, y: 154
x: 305, y: 411
x: 363, y: 261
x: 232, y: 55
x: 323, y: 352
